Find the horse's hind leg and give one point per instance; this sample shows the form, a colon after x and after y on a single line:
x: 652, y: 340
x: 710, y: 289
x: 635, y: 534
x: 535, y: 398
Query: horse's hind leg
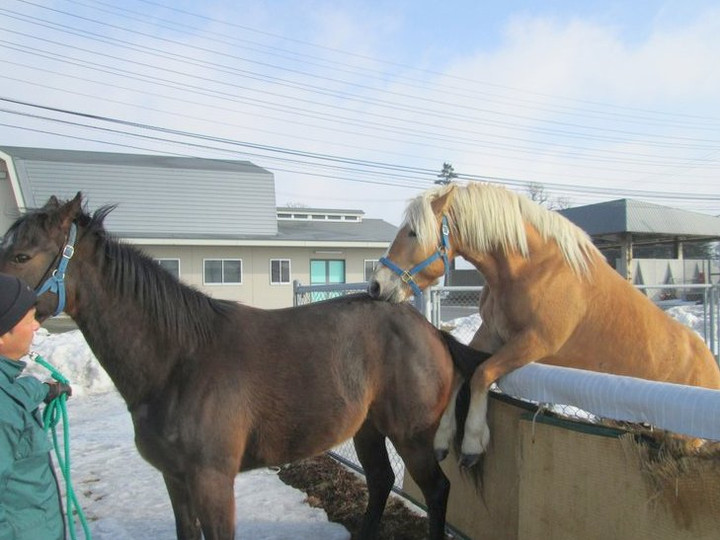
x: 373, y: 456
x: 422, y: 465
x: 187, y: 526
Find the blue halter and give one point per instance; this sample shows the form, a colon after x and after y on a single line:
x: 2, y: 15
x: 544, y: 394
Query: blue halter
x: 440, y: 253
x: 56, y: 282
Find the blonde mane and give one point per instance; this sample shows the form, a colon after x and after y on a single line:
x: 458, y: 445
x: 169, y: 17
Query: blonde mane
x: 486, y: 217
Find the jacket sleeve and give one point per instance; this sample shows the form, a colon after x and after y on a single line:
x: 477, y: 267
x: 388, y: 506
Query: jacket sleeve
x: 33, y: 392
x: 7, y: 455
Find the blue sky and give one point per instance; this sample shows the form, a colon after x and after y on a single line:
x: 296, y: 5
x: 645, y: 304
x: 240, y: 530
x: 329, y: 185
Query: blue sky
x: 357, y: 104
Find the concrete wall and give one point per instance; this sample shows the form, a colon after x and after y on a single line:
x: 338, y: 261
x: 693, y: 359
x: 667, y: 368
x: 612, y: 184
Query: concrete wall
x: 256, y: 289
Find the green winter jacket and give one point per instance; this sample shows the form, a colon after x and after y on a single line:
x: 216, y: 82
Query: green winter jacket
x: 29, y: 499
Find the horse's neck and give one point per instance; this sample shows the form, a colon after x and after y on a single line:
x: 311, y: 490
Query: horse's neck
x: 496, y: 267
x: 113, y: 328
x: 500, y: 267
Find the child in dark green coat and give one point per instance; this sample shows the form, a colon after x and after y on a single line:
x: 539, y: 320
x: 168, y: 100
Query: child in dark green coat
x: 30, y: 507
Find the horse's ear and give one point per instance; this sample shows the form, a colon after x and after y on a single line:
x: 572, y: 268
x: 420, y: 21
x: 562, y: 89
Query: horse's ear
x: 52, y: 203
x: 439, y: 204
x: 71, y: 210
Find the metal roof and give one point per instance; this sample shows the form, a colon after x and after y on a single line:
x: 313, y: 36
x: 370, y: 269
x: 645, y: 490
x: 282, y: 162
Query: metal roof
x: 368, y: 230
x: 313, y: 210
x: 609, y: 222
x: 164, y: 194
x: 128, y: 160
x: 177, y: 198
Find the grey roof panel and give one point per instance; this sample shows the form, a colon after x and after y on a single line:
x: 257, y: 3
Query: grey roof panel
x: 128, y: 160
x: 161, y: 197
x: 639, y: 217
x: 165, y: 195
x: 314, y: 210
x: 368, y: 230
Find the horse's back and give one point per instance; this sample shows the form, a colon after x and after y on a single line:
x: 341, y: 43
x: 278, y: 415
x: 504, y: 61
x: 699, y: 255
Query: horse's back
x: 328, y: 366
x: 626, y: 333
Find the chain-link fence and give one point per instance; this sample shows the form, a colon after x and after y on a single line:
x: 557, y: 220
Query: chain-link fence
x: 307, y: 294
x: 455, y: 309
x: 697, y: 306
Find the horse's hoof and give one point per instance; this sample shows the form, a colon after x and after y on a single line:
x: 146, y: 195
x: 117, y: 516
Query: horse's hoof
x: 441, y: 453
x: 469, y: 460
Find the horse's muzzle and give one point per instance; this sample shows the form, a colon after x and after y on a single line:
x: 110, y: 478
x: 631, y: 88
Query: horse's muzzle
x: 374, y: 289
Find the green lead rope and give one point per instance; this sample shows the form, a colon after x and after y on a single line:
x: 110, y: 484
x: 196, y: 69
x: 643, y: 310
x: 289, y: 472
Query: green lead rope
x: 55, y: 411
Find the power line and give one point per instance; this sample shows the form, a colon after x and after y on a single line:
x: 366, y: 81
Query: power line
x: 274, y: 152
x: 315, y: 88
x: 406, y: 116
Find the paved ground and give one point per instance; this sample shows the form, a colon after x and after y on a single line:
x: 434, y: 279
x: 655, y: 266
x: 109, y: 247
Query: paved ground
x: 60, y: 324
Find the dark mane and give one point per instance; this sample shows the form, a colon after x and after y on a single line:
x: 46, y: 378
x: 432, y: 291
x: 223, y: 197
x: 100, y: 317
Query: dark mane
x: 182, y: 314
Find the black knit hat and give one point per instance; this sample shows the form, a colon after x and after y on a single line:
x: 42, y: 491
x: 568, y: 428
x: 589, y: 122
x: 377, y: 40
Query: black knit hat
x: 16, y: 299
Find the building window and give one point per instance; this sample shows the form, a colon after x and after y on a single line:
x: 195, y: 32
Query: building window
x: 370, y: 265
x: 171, y: 265
x: 279, y: 271
x: 324, y: 272
x: 217, y: 271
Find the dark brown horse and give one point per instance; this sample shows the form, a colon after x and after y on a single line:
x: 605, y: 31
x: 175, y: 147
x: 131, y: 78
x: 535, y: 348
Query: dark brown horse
x: 215, y: 387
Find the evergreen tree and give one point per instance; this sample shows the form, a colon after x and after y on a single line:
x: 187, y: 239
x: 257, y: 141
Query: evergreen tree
x: 446, y: 175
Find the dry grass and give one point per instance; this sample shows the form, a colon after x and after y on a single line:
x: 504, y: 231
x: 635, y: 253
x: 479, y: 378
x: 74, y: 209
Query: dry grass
x: 343, y: 496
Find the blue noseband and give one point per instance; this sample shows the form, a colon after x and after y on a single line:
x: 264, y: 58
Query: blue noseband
x: 56, y: 282
x: 440, y: 253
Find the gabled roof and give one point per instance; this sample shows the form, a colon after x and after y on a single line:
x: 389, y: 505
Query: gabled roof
x: 166, y: 195
x: 609, y: 222
x: 313, y: 210
x: 368, y: 230
x: 166, y: 199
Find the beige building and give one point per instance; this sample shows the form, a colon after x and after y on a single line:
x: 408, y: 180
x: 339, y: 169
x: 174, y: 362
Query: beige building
x: 214, y: 223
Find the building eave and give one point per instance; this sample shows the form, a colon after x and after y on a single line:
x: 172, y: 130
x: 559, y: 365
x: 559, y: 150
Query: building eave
x: 239, y: 242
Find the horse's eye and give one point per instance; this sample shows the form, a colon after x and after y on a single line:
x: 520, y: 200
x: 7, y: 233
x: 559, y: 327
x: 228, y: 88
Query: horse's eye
x: 412, y: 234
x: 21, y: 258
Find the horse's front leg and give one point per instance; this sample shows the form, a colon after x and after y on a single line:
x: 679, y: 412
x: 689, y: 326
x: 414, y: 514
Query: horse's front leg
x: 212, y: 495
x: 477, y: 433
x: 187, y: 525
x: 523, y: 350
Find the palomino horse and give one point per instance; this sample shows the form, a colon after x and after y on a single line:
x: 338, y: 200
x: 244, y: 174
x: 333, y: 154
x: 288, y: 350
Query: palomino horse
x: 550, y: 297
x: 214, y: 387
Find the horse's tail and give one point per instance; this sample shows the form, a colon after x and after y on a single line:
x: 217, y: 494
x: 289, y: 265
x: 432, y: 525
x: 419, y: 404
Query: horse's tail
x: 466, y: 360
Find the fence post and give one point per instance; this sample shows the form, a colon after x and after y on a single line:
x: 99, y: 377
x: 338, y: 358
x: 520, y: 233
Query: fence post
x: 712, y: 318
x: 296, y: 285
